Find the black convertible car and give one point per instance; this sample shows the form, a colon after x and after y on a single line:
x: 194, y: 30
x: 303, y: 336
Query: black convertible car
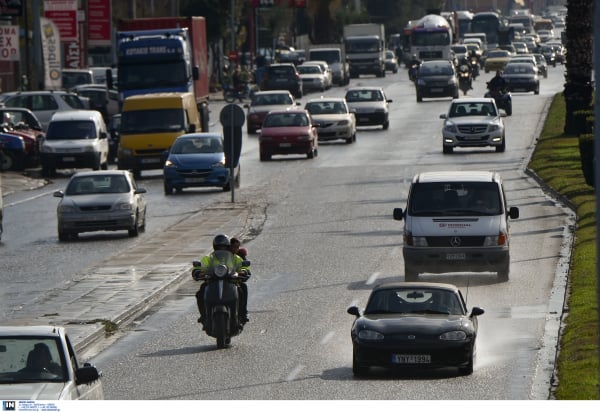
x: 414, y: 324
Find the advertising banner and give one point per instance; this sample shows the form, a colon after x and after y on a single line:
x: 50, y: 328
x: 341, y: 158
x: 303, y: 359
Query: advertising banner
x: 9, y: 44
x: 51, y: 52
x: 99, y: 23
x: 64, y: 14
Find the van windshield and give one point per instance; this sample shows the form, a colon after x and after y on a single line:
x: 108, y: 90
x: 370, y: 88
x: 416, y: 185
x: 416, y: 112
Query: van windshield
x: 455, y: 198
x: 152, y: 121
x: 71, y: 130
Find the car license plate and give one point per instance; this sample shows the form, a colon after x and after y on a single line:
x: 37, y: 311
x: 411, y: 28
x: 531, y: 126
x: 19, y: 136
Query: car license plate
x: 194, y: 179
x: 285, y: 145
x: 151, y: 160
x: 436, y: 90
x: 68, y: 159
x: 455, y: 256
x: 363, y: 119
x: 411, y: 359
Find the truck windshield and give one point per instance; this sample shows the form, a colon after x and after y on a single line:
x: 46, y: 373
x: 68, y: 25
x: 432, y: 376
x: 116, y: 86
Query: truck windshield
x: 152, y: 76
x: 431, y: 38
x: 330, y: 56
x: 362, y: 45
x: 152, y: 121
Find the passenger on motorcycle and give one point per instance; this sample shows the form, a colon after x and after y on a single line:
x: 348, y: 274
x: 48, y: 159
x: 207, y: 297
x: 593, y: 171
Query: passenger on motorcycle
x: 222, y: 242
x: 497, y: 83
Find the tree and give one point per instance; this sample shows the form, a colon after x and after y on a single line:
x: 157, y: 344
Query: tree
x: 578, y: 87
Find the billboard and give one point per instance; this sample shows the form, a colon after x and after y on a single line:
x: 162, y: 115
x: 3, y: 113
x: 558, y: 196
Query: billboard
x: 51, y: 52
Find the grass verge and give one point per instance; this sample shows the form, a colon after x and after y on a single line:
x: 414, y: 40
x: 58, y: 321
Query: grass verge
x: 556, y: 160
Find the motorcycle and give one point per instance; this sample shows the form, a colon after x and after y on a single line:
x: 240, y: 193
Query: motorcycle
x: 221, y: 297
x: 475, y: 65
x: 413, y: 70
x: 464, y: 78
x: 242, y: 92
x: 502, y: 97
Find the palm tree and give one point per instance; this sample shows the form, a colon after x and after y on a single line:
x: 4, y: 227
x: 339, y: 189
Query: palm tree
x: 578, y: 86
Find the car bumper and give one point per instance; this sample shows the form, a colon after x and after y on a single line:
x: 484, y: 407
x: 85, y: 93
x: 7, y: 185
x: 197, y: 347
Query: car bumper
x: 95, y: 222
x: 149, y: 162
x: 473, y: 140
x: 522, y: 87
x: 70, y: 160
x: 177, y: 178
x: 371, y: 119
x: 438, y: 91
x: 440, y: 353
x: 334, y: 133
x: 441, y: 260
x: 270, y: 147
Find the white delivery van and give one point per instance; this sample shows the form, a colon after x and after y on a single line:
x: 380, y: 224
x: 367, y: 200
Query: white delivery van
x: 75, y: 139
x: 456, y: 221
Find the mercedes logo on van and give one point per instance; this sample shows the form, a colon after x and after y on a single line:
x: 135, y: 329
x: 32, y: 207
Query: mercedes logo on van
x: 455, y: 241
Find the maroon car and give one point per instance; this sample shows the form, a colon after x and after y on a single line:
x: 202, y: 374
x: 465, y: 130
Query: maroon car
x: 288, y: 132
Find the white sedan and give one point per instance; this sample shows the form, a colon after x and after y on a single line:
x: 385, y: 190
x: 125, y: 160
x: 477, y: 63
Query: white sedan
x: 334, y: 118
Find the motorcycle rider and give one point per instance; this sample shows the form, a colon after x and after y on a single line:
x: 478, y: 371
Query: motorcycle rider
x: 222, y: 242
x: 497, y: 84
x: 413, y: 66
x: 466, y: 61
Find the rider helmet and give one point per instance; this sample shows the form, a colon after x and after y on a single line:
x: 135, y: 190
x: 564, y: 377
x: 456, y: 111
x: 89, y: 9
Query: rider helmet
x: 221, y: 241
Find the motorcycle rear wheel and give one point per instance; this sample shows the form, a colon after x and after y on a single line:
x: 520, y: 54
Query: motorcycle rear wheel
x: 220, y: 329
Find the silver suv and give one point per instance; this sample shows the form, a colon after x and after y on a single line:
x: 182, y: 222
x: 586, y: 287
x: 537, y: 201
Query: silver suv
x: 44, y: 103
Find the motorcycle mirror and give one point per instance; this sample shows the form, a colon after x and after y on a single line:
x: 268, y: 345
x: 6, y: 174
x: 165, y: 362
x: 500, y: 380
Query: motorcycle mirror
x: 196, y: 263
x: 246, y: 263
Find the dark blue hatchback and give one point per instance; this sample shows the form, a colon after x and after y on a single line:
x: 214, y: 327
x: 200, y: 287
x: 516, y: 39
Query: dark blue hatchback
x: 198, y: 160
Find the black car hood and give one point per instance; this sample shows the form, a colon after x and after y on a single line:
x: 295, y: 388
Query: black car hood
x: 428, y: 323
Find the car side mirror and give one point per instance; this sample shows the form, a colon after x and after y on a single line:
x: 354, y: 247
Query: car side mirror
x: 513, y: 212
x: 398, y: 213
x: 192, y: 128
x: 103, y: 135
x: 443, y: 116
x: 140, y: 190
x: 476, y: 311
x: 58, y: 193
x: 353, y: 310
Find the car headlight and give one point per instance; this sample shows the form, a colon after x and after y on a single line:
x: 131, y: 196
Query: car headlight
x: 66, y: 209
x: 493, y: 127
x: 169, y: 163
x: 89, y: 148
x: 450, y: 127
x: 343, y: 122
x: 47, y: 149
x: 368, y: 334
x: 304, y: 137
x: 500, y: 240
x: 421, y: 82
x: 417, y: 241
x: 218, y: 164
x: 125, y: 152
x: 454, y: 335
x: 124, y: 206
x: 452, y: 80
x: 380, y: 110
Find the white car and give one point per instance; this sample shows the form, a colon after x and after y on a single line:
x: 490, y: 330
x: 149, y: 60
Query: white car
x: 334, y: 118
x: 370, y: 105
x: 473, y: 122
x: 326, y: 70
x: 102, y: 200
x: 39, y: 363
x: 313, y: 78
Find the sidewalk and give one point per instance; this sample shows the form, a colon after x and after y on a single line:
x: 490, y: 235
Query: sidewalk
x: 116, y: 291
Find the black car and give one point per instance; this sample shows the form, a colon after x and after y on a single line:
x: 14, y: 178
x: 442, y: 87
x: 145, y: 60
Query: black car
x: 282, y: 76
x: 521, y: 77
x: 414, y: 325
x: 436, y: 78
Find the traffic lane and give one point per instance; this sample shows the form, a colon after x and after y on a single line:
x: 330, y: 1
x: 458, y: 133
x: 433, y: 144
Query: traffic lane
x: 354, y: 225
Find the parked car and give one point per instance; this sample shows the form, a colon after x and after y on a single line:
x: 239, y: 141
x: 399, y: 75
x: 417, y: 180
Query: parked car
x: 521, y: 77
x: 473, y: 122
x: 75, y: 77
x: 45, y: 103
x: 198, y: 160
x: 496, y: 60
x: 282, y: 76
x: 103, y: 99
x: 13, y: 153
x: 436, y: 78
x: 334, y: 118
x: 391, y: 61
x: 75, y: 139
x: 262, y: 103
x: 313, y: 78
x: 39, y: 363
x: 22, y: 122
x: 417, y: 325
x: 370, y: 105
x: 101, y: 200
x: 456, y: 221
x: 288, y: 132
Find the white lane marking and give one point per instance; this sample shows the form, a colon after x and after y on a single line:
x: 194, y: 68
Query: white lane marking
x: 29, y: 198
x: 327, y: 337
x: 373, y: 278
x: 294, y: 373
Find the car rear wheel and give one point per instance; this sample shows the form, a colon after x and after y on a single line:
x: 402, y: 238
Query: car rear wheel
x: 264, y: 157
x: 503, y: 273
x: 7, y: 161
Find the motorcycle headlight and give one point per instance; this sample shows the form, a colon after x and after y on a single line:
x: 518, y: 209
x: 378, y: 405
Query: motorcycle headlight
x: 220, y: 271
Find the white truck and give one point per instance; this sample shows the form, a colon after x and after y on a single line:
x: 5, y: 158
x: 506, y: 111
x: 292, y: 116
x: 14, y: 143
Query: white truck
x: 365, y: 48
x: 335, y: 56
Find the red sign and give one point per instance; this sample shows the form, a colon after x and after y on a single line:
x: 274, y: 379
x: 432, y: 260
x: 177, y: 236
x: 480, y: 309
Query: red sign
x: 64, y: 14
x: 299, y: 4
x: 99, y: 22
x: 233, y: 56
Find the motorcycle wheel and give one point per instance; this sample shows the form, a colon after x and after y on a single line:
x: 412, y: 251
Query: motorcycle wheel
x: 219, y: 322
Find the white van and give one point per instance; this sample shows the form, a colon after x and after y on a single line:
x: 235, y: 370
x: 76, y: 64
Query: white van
x: 456, y: 221
x: 75, y: 139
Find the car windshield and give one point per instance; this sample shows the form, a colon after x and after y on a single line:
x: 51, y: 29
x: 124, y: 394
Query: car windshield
x: 455, y: 198
x: 271, y: 99
x: 472, y: 109
x: 155, y: 120
x: 498, y: 54
x: 321, y: 107
x: 309, y: 70
x: 418, y: 300
x: 197, y: 145
x: 71, y: 130
x: 364, y: 96
x: 286, y: 120
x: 87, y: 185
x: 519, y: 69
x: 31, y: 359
x: 435, y: 70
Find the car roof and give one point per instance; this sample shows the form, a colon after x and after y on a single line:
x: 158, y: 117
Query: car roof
x: 199, y: 135
x: 76, y: 115
x: 457, y: 176
x: 327, y: 99
x: 265, y: 92
x: 354, y: 88
x: 473, y: 100
x: 289, y: 111
x: 111, y: 172
x: 412, y: 285
x: 32, y: 330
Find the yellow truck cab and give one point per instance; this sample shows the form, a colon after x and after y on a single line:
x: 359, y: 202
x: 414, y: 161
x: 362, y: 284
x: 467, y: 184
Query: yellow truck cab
x: 150, y: 123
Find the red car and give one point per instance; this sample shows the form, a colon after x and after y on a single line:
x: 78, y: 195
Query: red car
x: 288, y: 132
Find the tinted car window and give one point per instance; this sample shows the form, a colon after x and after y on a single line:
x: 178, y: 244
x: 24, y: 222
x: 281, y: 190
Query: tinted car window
x: 71, y: 129
x: 72, y: 101
x: 433, y: 199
